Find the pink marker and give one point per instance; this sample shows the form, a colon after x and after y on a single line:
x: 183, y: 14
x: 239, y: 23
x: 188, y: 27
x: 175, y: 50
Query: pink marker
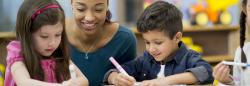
x: 118, y: 66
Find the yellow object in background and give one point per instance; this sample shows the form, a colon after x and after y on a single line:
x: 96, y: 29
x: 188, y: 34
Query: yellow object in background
x: 226, y: 18
x: 217, y: 5
x: 189, y: 43
x: 2, y: 70
x: 187, y: 40
x: 1, y: 80
x: 196, y: 48
x: 202, y: 19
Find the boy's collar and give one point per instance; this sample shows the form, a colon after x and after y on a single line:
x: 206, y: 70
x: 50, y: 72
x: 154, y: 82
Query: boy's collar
x: 180, y: 52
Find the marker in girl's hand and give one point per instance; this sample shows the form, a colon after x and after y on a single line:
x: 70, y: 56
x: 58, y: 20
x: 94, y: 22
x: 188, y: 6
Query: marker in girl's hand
x: 118, y: 66
x: 236, y: 64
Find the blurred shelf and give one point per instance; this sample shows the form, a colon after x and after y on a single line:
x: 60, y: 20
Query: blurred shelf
x: 204, y: 29
x: 7, y: 35
x: 135, y: 31
x: 217, y: 58
x: 212, y: 28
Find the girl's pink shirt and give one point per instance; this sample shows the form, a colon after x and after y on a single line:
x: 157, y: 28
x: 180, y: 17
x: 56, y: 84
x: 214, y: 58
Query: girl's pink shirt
x: 14, y: 55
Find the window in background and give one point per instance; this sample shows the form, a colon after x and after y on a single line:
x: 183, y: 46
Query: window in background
x: 133, y: 10
x: 1, y: 14
x: 9, y: 9
x: 8, y: 14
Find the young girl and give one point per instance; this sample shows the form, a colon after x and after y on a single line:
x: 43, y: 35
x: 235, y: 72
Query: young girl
x: 40, y: 56
x: 240, y: 74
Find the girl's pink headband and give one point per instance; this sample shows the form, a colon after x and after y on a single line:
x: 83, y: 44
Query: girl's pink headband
x: 39, y: 11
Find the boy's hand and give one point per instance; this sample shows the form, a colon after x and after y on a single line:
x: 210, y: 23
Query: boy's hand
x: 119, y: 79
x: 155, y: 82
x: 222, y: 73
x: 149, y: 83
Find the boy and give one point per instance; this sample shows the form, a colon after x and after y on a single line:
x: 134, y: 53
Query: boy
x: 166, y: 61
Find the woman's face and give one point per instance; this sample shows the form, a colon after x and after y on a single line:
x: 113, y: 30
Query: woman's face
x: 89, y: 15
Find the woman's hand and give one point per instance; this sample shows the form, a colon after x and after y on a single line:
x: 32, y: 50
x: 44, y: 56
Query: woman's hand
x: 72, y: 82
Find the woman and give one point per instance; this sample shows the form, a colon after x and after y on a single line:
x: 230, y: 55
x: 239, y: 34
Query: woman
x: 94, y: 38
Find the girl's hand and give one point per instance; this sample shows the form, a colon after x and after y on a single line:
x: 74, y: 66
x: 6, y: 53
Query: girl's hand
x: 222, y: 73
x: 123, y: 80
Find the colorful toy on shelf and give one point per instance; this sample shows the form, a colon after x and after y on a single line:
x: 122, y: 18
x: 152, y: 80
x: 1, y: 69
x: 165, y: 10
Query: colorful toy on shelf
x: 189, y: 43
x: 147, y: 3
x: 214, y: 11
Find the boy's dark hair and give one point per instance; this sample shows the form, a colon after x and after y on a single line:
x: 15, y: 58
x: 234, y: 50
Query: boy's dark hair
x: 242, y: 31
x: 161, y: 16
x: 26, y: 25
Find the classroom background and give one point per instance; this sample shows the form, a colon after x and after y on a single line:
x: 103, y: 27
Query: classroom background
x: 210, y: 26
